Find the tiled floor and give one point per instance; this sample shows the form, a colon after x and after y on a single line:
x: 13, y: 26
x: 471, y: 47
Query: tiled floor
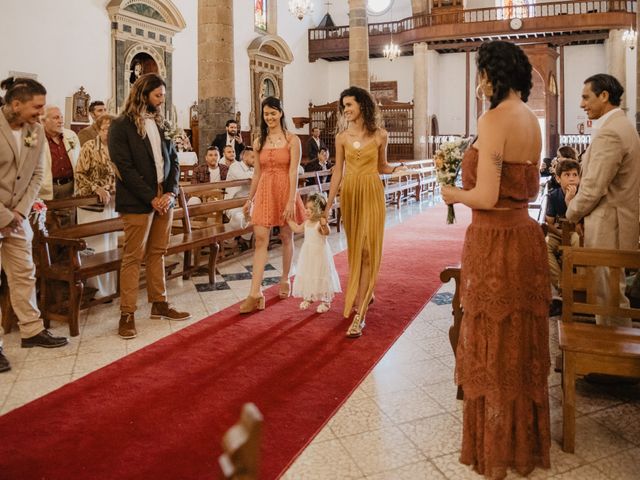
x: 402, y: 422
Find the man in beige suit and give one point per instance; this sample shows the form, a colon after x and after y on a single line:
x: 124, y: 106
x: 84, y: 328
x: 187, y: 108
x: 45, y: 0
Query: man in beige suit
x: 21, y: 144
x: 610, y: 184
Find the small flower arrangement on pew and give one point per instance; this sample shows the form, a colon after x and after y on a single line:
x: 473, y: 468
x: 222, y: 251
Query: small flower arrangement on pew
x: 178, y: 135
x: 448, y: 160
x: 38, y: 214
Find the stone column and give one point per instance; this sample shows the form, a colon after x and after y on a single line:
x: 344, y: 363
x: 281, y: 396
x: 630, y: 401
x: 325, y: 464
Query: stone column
x: 358, y: 44
x: 420, y: 99
x: 216, y: 92
x: 616, y: 59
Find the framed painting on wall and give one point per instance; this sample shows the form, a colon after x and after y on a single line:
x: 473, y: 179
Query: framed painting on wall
x: 385, y: 91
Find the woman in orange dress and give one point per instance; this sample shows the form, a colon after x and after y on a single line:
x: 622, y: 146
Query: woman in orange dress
x: 502, y: 357
x: 274, y: 197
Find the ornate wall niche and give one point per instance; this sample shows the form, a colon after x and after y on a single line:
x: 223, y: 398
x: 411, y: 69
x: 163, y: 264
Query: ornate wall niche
x: 268, y: 55
x: 142, y: 34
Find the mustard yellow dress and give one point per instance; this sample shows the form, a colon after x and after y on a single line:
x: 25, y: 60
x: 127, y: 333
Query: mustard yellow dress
x: 363, y: 213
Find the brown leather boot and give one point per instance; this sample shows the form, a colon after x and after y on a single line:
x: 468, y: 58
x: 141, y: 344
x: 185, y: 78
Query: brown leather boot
x: 127, y: 327
x: 166, y: 311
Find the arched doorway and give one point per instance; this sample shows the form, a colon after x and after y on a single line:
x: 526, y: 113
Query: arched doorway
x: 268, y: 55
x: 142, y: 34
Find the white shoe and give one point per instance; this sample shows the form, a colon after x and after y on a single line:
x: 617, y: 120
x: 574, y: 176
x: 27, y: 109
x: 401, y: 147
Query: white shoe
x: 304, y: 304
x: 323, y: 307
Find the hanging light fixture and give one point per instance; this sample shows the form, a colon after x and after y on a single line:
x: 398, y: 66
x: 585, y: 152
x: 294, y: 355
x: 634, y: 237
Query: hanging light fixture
x: 630, y: 37
x: 300, y: 8
x: 391, y: 51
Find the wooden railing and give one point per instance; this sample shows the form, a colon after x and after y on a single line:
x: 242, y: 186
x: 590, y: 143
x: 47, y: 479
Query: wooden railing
x: 474, y: 15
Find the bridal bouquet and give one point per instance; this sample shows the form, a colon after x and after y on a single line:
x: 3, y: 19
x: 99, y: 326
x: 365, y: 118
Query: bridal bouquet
x: 448, y: 160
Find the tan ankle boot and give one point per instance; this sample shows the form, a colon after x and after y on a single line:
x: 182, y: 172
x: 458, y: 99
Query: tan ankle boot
x: 127, y: 326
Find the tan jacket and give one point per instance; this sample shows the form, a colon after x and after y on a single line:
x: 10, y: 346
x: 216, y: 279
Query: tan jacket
x: 72, y: 145
x: 609, y: 189
x: 20, y: 176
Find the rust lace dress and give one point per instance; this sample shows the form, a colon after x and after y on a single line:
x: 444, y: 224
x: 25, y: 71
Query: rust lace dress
x: 272, y: 193
x: 503, y: 349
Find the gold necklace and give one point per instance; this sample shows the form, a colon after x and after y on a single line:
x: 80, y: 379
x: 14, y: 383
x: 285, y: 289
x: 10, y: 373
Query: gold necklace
x: 272, y: 143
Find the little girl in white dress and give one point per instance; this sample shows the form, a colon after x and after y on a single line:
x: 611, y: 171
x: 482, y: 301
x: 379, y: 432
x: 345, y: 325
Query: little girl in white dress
x: 316, y: 276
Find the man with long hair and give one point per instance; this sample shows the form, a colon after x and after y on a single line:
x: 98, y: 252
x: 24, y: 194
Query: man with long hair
x: 146, y: 188
x: 21, y: 142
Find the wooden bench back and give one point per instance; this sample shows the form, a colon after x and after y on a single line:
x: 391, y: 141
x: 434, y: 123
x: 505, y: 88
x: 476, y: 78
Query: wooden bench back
x: 241, y: 446
x: 578, y: 275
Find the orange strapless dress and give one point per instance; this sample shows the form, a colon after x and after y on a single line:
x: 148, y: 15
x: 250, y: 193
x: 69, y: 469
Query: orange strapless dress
x: 272, y: 193
x: 502, y: 358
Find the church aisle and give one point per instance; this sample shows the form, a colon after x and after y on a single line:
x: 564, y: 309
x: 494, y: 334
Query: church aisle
x: 403, y: 422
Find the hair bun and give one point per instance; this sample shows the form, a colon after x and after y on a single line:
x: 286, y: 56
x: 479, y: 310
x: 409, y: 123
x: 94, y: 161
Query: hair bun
x: 7, y: 83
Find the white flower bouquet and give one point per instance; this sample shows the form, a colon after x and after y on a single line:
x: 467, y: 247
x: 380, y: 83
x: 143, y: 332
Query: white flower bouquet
x: 448, y: 160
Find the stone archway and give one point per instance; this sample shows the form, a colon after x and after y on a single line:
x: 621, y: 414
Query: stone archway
x: 268, y: 55
x: 143, y: 28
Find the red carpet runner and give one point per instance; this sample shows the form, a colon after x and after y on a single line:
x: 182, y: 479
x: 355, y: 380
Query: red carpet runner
x: 160, y: 412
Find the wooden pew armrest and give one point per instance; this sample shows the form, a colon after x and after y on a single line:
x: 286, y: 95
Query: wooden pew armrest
x: 74, y: 243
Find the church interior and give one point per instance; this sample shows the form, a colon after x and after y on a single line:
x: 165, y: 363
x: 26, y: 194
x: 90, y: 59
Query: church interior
x: 385, y: 406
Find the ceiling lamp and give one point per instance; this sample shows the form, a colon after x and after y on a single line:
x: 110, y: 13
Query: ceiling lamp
x: 391, y: 51
x: 300, y: 8
x: 629, y: 37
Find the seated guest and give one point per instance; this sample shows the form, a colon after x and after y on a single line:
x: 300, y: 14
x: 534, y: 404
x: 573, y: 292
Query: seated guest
x: 545, y: 167
x: 212, y: 170
x: 96, y: 109
x: 239, y: 171
x: 60, y: 156
x: 564, y: 153
x: 568, y: 177
x: 314, y: 145
x: 95, y: 175
x: 228, y: 156
x: 319, y: 164
x: 230, y: 137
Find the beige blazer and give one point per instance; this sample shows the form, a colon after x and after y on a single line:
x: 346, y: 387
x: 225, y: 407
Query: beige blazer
x: 20, y: 175
x: 609, y: 192
x: 72, y: 144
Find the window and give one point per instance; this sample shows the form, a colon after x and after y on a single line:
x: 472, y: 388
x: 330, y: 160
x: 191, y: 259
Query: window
x: 260, y: 14
x: 378, y: 7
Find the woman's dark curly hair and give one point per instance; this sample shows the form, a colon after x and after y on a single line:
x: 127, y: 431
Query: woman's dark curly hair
x: 507, y: 67
x: 271, y: 102
x: 370, y: 111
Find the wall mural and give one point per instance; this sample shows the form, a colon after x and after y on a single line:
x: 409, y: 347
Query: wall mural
x: 260, y: 14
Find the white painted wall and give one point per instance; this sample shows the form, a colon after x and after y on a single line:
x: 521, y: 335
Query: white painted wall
x: 581, y: 61
x: 64, y: 54
x: 450, y: 94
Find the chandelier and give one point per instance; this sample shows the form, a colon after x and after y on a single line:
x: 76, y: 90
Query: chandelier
x: 391, y: 51
x: 629, y: 37
x: 300, y: 8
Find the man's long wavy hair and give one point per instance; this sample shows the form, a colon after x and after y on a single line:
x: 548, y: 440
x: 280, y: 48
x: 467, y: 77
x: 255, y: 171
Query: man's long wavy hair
x: 138, y: 102
x: 368, y: 108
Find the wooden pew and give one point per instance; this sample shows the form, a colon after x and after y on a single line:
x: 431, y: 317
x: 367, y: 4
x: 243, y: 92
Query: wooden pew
x: 589, y: 348
x: 75, y: 268
x: 241, y: 446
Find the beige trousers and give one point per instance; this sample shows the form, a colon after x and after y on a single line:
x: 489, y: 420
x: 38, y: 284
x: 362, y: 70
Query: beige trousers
x: 553, y: 250
x: 16, y: 257
x: 146, y: 236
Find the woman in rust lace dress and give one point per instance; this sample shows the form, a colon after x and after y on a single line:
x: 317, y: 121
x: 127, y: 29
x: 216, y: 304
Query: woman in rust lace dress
x: 502, y: 358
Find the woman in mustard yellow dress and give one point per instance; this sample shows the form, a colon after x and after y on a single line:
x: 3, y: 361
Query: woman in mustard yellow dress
x: 361, y: 156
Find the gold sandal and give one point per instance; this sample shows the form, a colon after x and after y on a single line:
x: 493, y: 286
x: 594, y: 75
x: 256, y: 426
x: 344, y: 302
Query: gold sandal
x: 355, y: 329
x: 285, y: 290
